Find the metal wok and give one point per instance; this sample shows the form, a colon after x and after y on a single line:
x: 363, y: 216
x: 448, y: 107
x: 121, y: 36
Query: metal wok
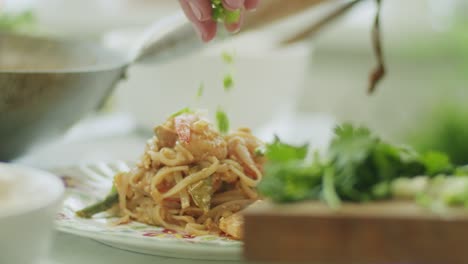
x: 46, y: 85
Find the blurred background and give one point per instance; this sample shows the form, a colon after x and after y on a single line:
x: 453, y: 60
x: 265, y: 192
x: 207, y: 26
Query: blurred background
x: 299, y: 91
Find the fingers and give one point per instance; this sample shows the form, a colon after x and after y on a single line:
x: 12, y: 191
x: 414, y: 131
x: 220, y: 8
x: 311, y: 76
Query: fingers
x: 199, y: 13
x: 251, y: 4
x: 197, y: 9
x: 206, y: 30
x: 233, y: 4
x: 235, y: 27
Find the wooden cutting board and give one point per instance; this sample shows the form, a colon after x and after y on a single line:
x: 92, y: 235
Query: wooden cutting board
x: 378, y: 233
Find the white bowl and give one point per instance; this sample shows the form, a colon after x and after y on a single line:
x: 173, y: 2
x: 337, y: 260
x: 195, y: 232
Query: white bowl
x: 29, y: 200
x: 267, y: 81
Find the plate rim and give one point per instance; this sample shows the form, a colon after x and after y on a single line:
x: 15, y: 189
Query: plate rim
x: 176, y: 248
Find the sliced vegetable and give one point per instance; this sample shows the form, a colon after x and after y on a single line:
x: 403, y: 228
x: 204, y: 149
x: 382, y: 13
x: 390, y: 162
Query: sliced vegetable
x: 201, y: 193
x: 200, y: 90
x: 111, y: 200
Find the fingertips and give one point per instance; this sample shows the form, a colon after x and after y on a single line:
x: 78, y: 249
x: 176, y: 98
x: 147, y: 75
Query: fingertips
x: 233, y: 4
x: 206, y: 29
x: 197, y: 10
x: 235, y: 27
x: 251, y: 4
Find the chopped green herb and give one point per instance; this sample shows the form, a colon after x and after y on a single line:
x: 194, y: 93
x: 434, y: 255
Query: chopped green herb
x: 102, y: 206
x: 228, y: 57
x: 436, y: 163
x: 222, y: 121
x: 221, y: 14
x: 200, y: 90
x: 281, y: 152
x: 185, y: 110
x: 232, y: 17
x: 228, y: 82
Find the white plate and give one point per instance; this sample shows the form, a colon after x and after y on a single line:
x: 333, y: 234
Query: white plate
x: 86, y: 184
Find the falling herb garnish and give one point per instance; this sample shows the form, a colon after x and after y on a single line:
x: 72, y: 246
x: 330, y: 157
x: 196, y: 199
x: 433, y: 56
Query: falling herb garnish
x: 221, y: 14
x: 379, y: 72
x: 200, y: 90
x: 228, y: 57
x: 228, y: 82
x: 185, y: 110
x: 222, y: 121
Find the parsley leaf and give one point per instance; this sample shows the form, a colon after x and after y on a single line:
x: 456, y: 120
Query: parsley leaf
x: 228, y: 82
x: 437, y: 163
x: 222, y: 121
x: 185, y: 110
x: 200, y: 90
x: 228, y: 57
x: 282, y: 152
x: 291, y: 181
x: 358, y: 167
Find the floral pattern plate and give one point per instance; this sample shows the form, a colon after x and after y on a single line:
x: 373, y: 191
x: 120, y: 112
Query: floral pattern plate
x: 89, y: 183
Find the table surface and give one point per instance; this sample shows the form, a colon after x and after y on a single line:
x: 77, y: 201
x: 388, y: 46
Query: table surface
x: 70, y: 249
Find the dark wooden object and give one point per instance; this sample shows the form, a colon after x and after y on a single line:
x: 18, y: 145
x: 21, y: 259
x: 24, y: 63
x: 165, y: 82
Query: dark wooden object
x: 390, y: 233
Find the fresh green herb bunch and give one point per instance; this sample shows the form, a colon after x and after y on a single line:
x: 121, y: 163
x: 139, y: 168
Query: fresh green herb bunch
x: 358, y: 167
x: 221, y: 14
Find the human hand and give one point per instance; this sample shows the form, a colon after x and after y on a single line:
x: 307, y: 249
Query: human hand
x: 200, y: 13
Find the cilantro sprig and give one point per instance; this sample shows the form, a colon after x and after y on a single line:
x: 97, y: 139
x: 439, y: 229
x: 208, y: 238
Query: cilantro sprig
x: 222, y: 121
x: 358, y: 167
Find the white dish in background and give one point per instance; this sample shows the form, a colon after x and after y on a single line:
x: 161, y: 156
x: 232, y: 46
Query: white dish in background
x: 90, y: 183
x: 65, y: 17
x: 27, y: 209
x: 268, y: 81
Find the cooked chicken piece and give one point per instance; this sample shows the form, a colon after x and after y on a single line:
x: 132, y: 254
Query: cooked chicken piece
x: 233, y: 225
x: 166, y: 137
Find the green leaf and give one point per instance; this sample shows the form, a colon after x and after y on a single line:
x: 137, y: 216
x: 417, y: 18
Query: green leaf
x: 232, y: 17
x: 437, y: 163
x: 222, y: 121
x: 291, y: 181
x: 351, y: 145
x: 200, y: 90
x: 228, y: 82
x: 185, y: 110
x: 282, y: 152
x: 228, y: 58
